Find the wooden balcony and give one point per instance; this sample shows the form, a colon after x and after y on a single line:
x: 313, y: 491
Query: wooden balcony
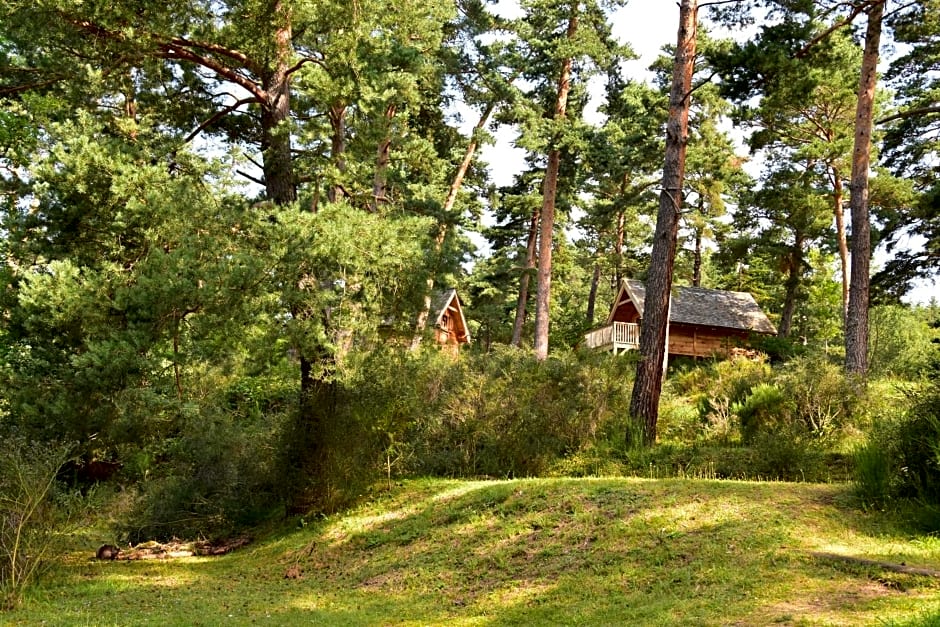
x: 616, y: 338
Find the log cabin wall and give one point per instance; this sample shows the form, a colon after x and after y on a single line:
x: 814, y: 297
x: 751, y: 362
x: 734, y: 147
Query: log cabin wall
x: 701, y: 341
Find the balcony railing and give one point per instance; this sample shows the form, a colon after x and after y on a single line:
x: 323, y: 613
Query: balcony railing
x: 616, y: 337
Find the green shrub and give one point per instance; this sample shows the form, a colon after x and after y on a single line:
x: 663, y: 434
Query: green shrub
x: 900, y: 341
x: 725, y: 383
x: 499, y: 413
x: 902, y: 456
x: 823, y: 398
x: 33, y: 512
x: 765, y: 409
x: 219, y: 476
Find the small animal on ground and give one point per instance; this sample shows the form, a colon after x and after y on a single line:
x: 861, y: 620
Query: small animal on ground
x: 107, y: 552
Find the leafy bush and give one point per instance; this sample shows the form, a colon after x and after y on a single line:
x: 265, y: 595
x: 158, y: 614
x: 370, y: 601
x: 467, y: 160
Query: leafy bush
x: 761, y: 410
x: 33, y: 511
x: 902, y: 456
x: 219, y: 476
x: 900, y: 341
x: 500, y: 413
x: 822, y: 398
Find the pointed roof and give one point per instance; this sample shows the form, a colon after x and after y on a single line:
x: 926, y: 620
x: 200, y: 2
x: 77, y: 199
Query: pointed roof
x: 444, y: 300
x: 703, y: 307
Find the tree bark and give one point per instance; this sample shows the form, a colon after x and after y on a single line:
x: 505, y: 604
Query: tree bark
x: 856, y: 320
x: 337, y: 114
x: 523, y: 300
x: 644, y: 404
x: 618, y: 247
x: 549, y: 192
x: 697, y: 253
x: 275, y: 115
x: 382, y: 158
x: 592, y: 295
x: 792, y: 286
x: 449, y: 203
x: 838, y: 197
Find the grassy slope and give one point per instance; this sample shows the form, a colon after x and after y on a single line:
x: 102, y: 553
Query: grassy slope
x: 559, y: 551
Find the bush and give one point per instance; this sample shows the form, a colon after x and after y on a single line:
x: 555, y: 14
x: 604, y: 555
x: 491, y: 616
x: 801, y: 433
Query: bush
x: 902, y: 456
x: 33, y: 511
x: 219, y: 476
x: 500, y: 413
x: 899, y: 341
x: 763, y: 410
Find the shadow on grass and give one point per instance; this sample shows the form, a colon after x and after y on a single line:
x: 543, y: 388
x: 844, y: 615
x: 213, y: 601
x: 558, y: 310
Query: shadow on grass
x: 597, y: 551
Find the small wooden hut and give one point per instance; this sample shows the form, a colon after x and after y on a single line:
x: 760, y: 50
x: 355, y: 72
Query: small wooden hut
x: 702, y: 322
x: 450, y: 327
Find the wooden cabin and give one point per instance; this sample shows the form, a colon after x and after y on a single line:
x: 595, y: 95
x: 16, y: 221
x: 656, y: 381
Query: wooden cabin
x: 450, y: 327
x: 702, y: 322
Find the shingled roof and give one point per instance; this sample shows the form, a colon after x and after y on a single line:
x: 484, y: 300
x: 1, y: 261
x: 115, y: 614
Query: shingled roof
x: 707, y: 307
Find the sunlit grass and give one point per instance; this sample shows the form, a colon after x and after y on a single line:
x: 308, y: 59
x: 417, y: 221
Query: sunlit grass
x: 548, y: 551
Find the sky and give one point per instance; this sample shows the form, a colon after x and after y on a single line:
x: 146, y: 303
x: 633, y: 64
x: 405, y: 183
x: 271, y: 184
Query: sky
x: 647, y: 25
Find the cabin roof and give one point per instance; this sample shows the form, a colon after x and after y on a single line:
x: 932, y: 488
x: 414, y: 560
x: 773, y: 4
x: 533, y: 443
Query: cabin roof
x: 441, y: 301
x: 703, y: 307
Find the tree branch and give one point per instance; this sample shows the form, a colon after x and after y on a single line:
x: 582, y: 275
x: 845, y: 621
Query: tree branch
x: 910, y: 113
x: 174, y: 52
x: 249, y: 177
x: 859, y: 9
x: 217, y: 49
x: 218, y: 115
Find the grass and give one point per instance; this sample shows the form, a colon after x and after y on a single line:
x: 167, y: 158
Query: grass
x: 545, y: 551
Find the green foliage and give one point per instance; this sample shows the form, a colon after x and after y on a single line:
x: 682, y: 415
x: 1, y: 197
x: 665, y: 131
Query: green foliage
x: 901, y: 459
x: 219, y: 477
x: 900, y: 341
x: 33, y: 511
x: 759, y: 410
x: 497, y: 414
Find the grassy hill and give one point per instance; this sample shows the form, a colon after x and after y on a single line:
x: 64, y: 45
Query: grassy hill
x: 546, y: 551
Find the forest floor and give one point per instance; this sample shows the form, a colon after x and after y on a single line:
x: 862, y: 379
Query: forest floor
x: 540, y: 551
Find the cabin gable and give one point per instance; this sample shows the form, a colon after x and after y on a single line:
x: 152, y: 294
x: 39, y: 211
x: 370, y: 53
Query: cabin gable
x: 450, y: 326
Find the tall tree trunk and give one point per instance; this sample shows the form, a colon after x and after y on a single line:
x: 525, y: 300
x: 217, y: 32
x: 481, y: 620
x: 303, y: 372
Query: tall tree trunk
x: 523, y: 300
x: 382, y: 159
x: 856, y: 320
x: 838, y: 196
x: 592, y: 295
x: 697, y: 253
x: 130, y: 102
x: 618, y: 247
x: 792, y: 286
x: 549, y: 192
x: 337, y: 114
x: 449, y: 203
x: 644, y: 403
x: 275, y: 116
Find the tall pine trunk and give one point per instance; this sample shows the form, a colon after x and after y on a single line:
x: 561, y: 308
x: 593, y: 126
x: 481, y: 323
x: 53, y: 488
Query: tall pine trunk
x: 618, y: 247
x: 791, y: 287
x: 838, y: 197
x: 276, y: 156
x: 446, y: 210
x: 337, y: 115
x: 592, y: 295
x: 856, y: 320
x: 549, y: 192
x: 644, y: 404
x: 523, y: 301
x: 383, y: 156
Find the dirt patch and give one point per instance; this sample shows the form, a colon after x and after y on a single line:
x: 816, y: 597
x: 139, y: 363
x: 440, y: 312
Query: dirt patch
x: 177, y: 548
